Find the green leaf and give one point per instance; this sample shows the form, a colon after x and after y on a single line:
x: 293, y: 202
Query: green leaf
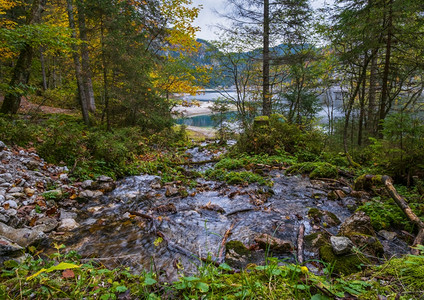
x: 149, y: 281
x: 191, y: 278
x: 121, y: 288
x: 301, y: 287
x: 59, y: 267
x: 225, y: 267
x: 203, y: 287
x: 319, y: 297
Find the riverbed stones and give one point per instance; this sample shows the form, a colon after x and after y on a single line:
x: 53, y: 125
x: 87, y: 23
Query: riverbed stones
x: 171, y: 191
x: 387, y: 235
x: 87, y: 184
x: 359, y: 223
x: 24, y: 237
x: 266, y: 241
x: 67, y: 225
x: 87, y: 194
x: 9, y: 248
x: 341, y: 244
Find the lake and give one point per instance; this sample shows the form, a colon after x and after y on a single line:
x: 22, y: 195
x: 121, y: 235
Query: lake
x: 206, y: 120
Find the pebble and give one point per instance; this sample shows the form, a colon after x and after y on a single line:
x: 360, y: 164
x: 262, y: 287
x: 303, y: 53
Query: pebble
x: 11, y: 204
x: 67, y: 225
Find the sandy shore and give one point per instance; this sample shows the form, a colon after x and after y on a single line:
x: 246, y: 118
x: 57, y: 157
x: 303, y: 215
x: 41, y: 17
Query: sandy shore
x: 204, y: 108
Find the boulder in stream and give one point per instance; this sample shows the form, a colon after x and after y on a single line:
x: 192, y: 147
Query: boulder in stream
x: 266, y: 241
x: 24, y: 237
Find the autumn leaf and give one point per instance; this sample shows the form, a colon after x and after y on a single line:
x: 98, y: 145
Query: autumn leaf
x: 68, y: 274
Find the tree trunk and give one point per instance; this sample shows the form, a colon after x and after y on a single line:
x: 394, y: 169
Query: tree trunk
x: 43, y: 69
x: 85, y: 59
x: 22, y: 69
x: 77, y: 65
x: 266, y: 97
x: 372, y: 96
x: 386, y: 71
x: 105, y: 81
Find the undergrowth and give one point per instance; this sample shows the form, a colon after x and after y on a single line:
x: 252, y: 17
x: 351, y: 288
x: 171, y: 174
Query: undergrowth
x: 66, y: 276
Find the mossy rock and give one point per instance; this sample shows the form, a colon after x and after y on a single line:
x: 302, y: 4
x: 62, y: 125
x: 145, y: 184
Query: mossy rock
x: 238, y: 247
x: 368, y: 243
x: 315, y: 213
x: 328, y: 219
x: 343, y: 264
x: 316, y: 240
x: 368, y: 182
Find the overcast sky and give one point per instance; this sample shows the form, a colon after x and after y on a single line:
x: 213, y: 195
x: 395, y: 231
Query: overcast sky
x: 207, y: 18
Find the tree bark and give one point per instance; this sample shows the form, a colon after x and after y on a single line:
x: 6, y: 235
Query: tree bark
x: 372, y: 96
x: 77, y: 65
x: 266, y: 97
x: 85, y: 58
x: 386, y: 71
x: 22, y: 69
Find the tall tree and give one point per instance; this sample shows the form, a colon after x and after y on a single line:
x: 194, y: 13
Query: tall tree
x: 265, y: 24
x: 22, y: 70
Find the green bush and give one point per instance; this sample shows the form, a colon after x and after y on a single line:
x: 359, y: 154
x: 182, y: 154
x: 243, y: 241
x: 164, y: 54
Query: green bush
x: 280, y: 137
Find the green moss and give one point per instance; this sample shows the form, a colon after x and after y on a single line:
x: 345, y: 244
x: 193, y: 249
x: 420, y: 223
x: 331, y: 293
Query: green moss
x: 368, y: 243
x: 315, y: 170
x: 261, y: 119
x: 343, y: 264
x: 315, y: 212
x: 316, y: 239
x: 334, y: 219
x: 367, y: 182
x: 238, y: 247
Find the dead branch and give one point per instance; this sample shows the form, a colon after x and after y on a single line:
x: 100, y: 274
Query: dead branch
x: 300, y: 236
x: 224, y: 241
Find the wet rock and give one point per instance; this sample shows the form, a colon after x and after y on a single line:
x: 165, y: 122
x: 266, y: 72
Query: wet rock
x: 156, y: 186
x: 9, y: 248
x: 24, y: 237
x: 166, y: 208
x: 266, y: 241
x: 47, y: 224
x: 67, y: 225
x: 64, y: 177
x: 87, y: 184
x: 4, y: 218
x: 18, y: 195
x: 64, y: 214
x: 11, y: 212
x: 323, y: 217
x: 2, y: 199
x: 87, y: 194
x: 33, y: 164
x: 341, y: 245
x: 2, y: 146
x: 104, y: 178
x: 29, y: 191
x: 336, y: 195
x: 368, y: 244
x: 104, y: 186
x: 16, y: 190
x: 7, y: 176
x: 390, y: 236
x: 171, y: 191
x: 10, y: 204
x: 359, y: 223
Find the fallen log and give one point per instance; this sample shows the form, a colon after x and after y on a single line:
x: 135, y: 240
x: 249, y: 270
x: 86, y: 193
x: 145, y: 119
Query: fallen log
x: 387, y: 181
x: 403, y: 205
x: 300, y: 242
x: 224, y: 241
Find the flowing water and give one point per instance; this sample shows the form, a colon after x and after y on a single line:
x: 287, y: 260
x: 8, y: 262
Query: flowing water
x: 193, y: 226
